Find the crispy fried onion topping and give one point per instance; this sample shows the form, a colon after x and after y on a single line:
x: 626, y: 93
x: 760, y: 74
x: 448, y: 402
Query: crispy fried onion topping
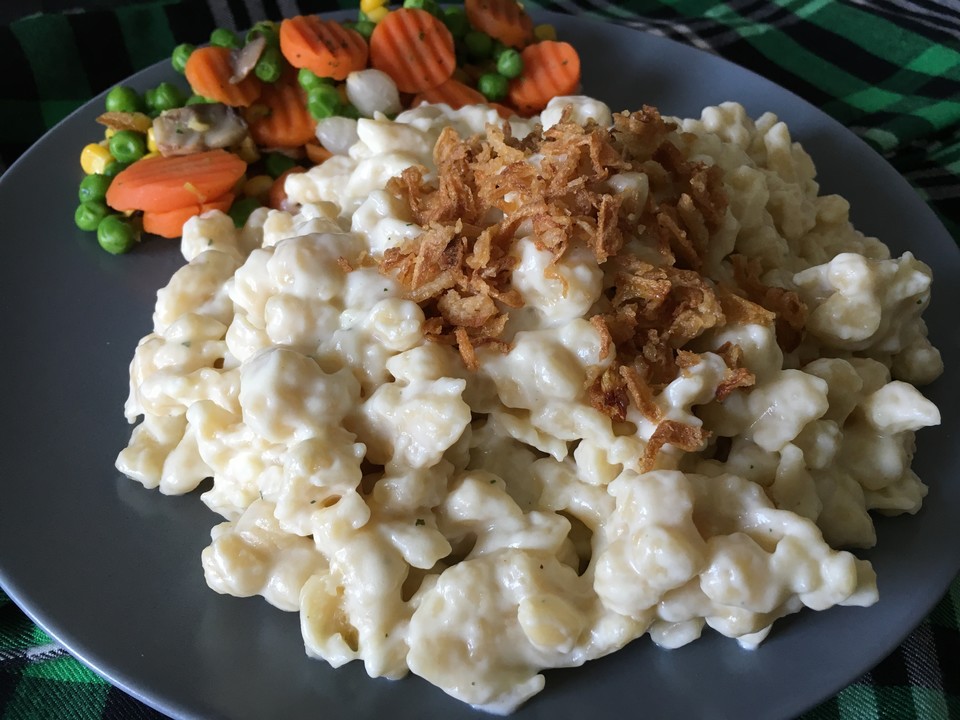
x: 553, y: 186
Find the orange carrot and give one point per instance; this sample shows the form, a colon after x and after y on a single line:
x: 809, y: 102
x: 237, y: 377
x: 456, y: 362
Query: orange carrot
x: 280, y: 117
x: 169, y: 224
x: 159, y: 184
x: 452, y: 92
x: 208, y: 71
x: 503, y: 20
x: 323, y: 46
x: 317, y: 153
x: 502, y: 110
x: 277, y: 197
x: 414, y: 48
x: 550, y: 68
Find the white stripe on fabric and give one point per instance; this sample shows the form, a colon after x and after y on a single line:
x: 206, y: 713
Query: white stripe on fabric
x: 222, y: 14
x: 255, y: 10
x: 44, y: 652
x: 945, y: 24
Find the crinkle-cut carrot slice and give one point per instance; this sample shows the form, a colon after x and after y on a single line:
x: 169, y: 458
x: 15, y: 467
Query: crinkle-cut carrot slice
x: 324, y: 47
x: 452, y: 92
x: 414, y: 48
x: 280, y: 117
x: 169, y: 224
x: 550, y: 69
x: 277, y: 197
x: 503, y: 20
x: 208, y: 70
x: 159, y: 184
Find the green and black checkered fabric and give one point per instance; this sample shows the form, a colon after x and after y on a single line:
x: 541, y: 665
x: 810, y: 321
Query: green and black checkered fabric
x: 889, y: 70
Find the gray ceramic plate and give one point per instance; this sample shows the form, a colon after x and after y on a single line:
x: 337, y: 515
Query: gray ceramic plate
x: 113, y: 572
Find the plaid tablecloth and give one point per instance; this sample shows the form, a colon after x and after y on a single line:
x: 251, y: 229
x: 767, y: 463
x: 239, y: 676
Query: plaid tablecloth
x: 887, y: 69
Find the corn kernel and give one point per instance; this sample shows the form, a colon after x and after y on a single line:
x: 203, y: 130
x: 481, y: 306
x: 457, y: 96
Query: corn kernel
x: 109, y: 133
x: 247, y: 151
x: 94, y: 158
x: 545, y: 32
x: 152, y: 141
x: 378, y: 14
x: 155, y: 153
x: 258, y: 186
x: 368, y: 6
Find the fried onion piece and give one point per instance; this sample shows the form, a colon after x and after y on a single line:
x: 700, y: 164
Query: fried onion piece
x: 136, y: 121
x: 736, y: 375
x: 787, y: 307
x: 553, y: 187
x: 682, y: 436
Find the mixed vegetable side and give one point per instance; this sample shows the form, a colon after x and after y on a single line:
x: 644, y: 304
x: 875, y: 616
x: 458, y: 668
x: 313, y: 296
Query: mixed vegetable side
x: 286, y: 96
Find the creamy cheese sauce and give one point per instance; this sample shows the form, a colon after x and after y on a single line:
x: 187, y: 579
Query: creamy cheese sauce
x: 476, y: 527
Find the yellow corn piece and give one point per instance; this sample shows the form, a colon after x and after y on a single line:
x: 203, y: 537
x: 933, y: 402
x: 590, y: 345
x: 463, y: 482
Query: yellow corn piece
x: 247, y: 151
x: 378, y: 14
x: 152, y: 141
x: 545, y: 32
x: 94, y: 158
x: 109, y: 133
x: 155, y: 153
x: 368, y: 6
x: 258, y: 186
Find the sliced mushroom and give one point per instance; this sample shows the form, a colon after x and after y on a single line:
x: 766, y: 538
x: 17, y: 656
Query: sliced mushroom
x: 245, y: 60
x: 195, y: 128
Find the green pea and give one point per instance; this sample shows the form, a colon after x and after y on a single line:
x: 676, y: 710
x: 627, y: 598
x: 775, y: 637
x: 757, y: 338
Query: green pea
x: 198, y: 100
x: 269, y: 65
x: 323, y: 101
x: 181, y: 53
x: 365, y: 28
x: 94, y: 187
x: 456, y: 21
x: 265, y: 29
x: 276, y: 164
x: 493, y: 86
x: 309, y: 80
x: 510, y: 64
x: 90, y: 213
x: 128, y: 145
x: 241, y: 209
x: 350, y: 111
x: 429, y: 5
x: 225, y: 38
x: 113, y: 168
x: 115, y: 234
x: 479, y: 44
x: 123, y: 99
x: 166, y: 96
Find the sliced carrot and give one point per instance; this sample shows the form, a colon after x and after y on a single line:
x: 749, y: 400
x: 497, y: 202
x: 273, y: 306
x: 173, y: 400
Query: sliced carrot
x: 550, y: 68
x: 209, y: 70
x: 280, y: 117
x: 277, y: 197
x: 503, y: 20
x: 159, y: 184
x: 452, y: 92
x: 317, y: 153
x: 169, y: 224
x: 414, y: 48
x: 502, y: 110
x: 323, y: 46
